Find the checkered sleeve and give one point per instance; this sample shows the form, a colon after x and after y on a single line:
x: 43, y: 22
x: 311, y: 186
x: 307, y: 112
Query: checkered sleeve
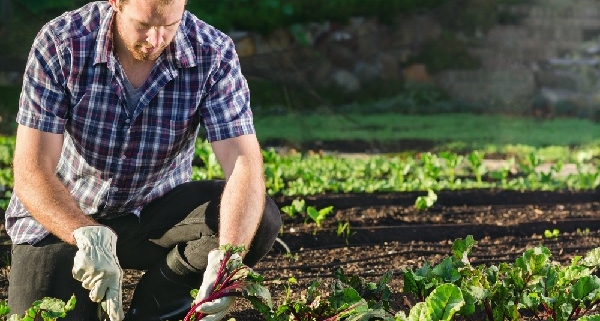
x: 226, y: 108
x: 43, y: 101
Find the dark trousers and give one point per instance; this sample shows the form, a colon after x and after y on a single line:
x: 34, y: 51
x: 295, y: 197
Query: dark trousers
x: 179, y: 228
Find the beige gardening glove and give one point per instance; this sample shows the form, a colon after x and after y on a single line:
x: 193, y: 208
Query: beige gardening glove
x: 215, y: 309
x: 97, y: 267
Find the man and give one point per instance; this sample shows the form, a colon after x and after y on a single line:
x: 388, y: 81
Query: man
x: 113, y: 97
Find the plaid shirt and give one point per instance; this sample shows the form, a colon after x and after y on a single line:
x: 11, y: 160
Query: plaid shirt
x: 114, y: 162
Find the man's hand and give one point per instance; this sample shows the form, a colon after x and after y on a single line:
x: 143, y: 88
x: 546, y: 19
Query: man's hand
x: 215, y: 309
x: 97, y: 267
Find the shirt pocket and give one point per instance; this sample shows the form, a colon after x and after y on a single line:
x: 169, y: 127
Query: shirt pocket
x: 170, y: 136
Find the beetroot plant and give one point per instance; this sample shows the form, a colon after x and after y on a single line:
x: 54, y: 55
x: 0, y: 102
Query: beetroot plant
x: 343, y: 303
x: 350, y: 298
x: 233, y: 279
x: 532, y: 285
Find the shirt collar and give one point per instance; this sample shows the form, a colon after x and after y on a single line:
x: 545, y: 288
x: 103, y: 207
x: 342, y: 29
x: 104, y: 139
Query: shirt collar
x: 185, y: 56
x: 180, y: 52
x: 104, y: 43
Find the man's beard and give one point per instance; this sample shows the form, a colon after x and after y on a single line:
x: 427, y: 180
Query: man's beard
x: 137, y: 50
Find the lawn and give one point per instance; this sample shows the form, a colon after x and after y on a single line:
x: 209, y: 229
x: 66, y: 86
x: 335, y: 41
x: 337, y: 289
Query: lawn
x: 460, y: 130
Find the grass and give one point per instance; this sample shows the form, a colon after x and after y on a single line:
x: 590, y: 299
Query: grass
x: 467, y: 130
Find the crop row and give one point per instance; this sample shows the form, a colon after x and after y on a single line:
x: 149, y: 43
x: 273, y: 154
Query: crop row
x: 298, y: 174
x: 533, y: 286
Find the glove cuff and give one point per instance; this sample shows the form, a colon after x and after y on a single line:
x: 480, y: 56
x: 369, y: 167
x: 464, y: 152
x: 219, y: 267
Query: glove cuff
x: 93, y: 236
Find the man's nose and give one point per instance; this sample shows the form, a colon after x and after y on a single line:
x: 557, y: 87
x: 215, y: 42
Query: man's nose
x: 155, y: 36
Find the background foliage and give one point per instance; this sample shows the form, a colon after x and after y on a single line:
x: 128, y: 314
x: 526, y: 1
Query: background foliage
x: 264, y: 16
x: 261, y: 15
x: 20, y: 20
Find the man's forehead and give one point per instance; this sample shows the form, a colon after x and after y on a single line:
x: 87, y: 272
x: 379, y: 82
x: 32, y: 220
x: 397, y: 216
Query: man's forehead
x: 160, y: 6
x: 160, y: 12
x: 153, y: 2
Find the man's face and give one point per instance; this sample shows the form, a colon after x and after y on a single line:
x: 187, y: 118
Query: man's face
x: 146, y: 27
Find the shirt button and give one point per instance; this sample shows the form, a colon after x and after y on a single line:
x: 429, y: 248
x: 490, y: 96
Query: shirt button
x: 123, y: 157
x: 127, y: 121
x: 114, y: 189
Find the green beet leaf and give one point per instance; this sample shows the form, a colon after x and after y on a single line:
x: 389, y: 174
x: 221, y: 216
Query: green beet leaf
x: 419, y: 312
x: 444, y: 302
x: 441, y: 305
x: 592, y: 258
x: 586, y: 288
x: 463, y: 248
x: 447, y: 271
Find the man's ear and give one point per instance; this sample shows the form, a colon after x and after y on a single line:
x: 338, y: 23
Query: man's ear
x: 114, y: 4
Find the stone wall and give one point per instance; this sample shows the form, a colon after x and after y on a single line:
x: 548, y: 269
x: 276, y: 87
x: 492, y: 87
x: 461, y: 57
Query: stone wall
x: 546, y: 60
x: 347, y: 56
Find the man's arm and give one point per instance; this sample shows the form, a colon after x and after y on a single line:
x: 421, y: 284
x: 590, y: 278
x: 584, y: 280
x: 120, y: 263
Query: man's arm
x: 243, y: 200
x: 47, y: 199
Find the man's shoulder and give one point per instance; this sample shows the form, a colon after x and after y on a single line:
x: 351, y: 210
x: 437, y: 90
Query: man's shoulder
x: 203, y: 34
x: 78, y: 23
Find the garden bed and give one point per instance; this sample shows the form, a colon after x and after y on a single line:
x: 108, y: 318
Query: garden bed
x: 387, y: 233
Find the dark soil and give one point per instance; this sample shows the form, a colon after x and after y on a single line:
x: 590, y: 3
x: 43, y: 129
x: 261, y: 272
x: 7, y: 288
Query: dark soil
x: 387, y: 233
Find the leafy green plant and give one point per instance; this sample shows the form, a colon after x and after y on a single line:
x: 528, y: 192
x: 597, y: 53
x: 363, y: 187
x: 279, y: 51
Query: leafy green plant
x: 503, y: 173
x: 297, y: 174
x: 318, y: 216
x: 425, y: 202
x: 47, y: 309
x: 211, y: 168
x: 425, y: 279
x: 475, y: 159
x: 453, y: 163
x: 441, y: 305
x: 343, y: 303
x: 431, y: 165
x: 551, y: 234
x: 377, y: 294
x: 5, y: 200
x: 297, y: 207
x: 583, y: 232
x: 420, y: 282
x: 273, y: 172
x: 7, y: 149
x: 529, y: 166
x: 532, y: 284
x: 343, y: 230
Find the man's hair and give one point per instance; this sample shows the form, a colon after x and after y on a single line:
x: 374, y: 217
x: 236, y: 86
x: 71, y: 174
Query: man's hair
x: 161, y: 2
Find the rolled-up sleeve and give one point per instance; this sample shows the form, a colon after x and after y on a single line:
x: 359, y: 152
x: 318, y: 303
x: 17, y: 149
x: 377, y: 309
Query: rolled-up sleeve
x: 43, y: 103
x: 226, y: 107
